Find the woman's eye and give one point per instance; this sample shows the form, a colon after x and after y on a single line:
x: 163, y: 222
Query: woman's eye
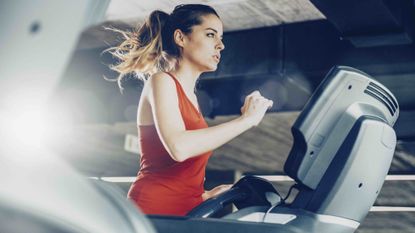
x: 210, y: 35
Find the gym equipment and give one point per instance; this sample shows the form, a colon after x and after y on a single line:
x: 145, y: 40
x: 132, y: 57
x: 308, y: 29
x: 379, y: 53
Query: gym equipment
x: 343, y: 147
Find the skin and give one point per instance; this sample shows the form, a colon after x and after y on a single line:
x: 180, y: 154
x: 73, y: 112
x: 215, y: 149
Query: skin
x: 200, y: 52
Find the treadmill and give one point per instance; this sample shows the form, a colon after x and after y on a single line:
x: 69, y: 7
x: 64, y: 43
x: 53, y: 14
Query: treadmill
x: 343, y: 147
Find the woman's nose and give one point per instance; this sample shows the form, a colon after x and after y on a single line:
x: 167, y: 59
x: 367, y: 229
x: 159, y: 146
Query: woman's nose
x: 220, y: 45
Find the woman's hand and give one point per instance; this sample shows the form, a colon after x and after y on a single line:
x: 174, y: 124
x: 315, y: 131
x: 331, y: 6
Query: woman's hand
x: 255, y: 107
x: 216, y: 191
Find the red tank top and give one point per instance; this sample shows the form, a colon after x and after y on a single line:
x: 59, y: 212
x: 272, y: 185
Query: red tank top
x: 164, y: 186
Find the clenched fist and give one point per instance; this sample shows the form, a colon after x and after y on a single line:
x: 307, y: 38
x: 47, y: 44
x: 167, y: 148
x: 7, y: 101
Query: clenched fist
x: 254, y: 107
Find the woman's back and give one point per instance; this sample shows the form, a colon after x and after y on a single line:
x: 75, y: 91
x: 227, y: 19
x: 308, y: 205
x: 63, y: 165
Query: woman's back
x: 144, y: 113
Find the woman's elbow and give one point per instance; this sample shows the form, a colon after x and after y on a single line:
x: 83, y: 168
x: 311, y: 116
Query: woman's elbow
x: 177, y: 153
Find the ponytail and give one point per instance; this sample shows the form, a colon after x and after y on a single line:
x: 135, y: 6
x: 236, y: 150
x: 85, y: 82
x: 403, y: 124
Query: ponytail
x: 141, y: 52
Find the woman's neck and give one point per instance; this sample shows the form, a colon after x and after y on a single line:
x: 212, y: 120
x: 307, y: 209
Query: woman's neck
x: 187, y: 76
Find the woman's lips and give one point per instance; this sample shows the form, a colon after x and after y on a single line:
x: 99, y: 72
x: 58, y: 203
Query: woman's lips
x: 216, y: 57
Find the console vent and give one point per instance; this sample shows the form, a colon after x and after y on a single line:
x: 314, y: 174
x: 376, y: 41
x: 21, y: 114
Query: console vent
x: 383, y: 96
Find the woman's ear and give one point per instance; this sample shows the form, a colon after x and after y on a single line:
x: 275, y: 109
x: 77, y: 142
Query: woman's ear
x: 178, y: 36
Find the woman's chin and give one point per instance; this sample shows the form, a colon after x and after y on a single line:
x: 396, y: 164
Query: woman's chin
x: 209, y: 67
x: 212, y: 68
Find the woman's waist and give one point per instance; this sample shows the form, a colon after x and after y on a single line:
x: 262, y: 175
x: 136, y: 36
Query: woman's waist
x: 150, y: 183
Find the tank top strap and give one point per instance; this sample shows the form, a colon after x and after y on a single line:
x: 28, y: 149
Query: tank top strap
x: 186, y: 103
x: 179, y: 88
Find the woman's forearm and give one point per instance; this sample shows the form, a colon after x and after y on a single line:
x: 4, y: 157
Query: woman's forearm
x: 191, y: 143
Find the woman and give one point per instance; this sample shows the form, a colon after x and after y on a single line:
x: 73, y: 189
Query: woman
x: 170, y: 52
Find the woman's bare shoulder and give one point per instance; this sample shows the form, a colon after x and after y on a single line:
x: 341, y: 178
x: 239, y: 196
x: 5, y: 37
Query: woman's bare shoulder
x: 160, y: 80
x: 159, y: 76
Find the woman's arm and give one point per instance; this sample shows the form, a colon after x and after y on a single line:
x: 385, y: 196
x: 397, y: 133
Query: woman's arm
x: 183, y: 144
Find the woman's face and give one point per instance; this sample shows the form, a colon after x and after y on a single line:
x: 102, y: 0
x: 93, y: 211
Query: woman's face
x: 203, y: 45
